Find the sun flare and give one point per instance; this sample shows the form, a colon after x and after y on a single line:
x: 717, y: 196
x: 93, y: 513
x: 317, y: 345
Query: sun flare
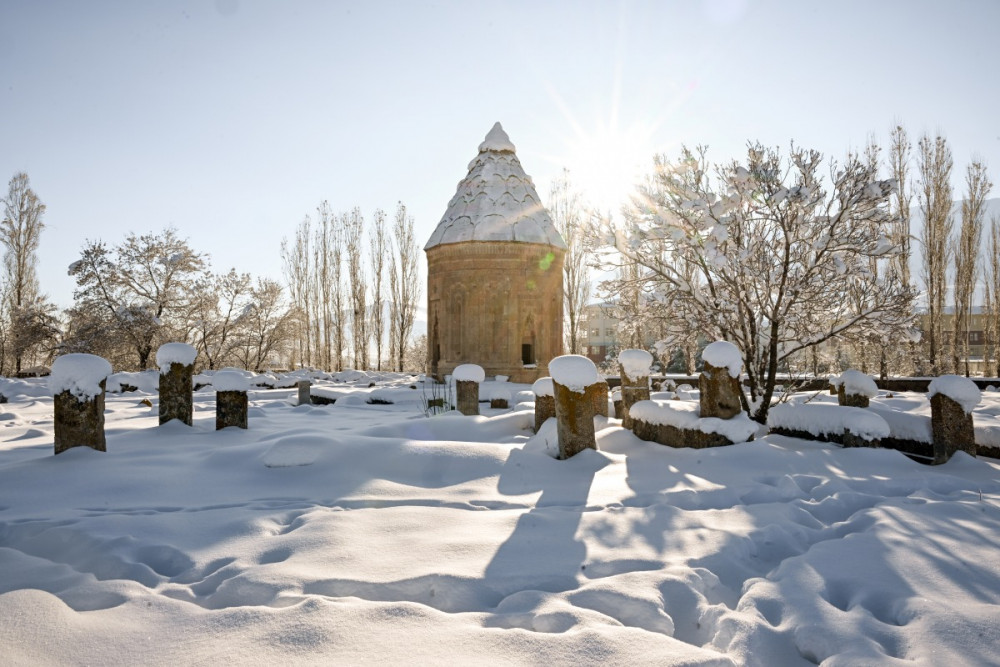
x: 606, y: 165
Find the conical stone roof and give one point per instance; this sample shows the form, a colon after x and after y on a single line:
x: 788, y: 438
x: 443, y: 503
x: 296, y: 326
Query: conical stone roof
x: 496, y: 201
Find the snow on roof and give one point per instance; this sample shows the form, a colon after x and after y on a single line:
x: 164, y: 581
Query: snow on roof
x: 959, y: 389
x: 175, y: 353
x: 79, y: 374
x: 496, y: 201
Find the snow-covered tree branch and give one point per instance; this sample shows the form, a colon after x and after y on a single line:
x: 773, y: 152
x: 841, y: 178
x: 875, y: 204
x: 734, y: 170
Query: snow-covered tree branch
x: 770, y: 254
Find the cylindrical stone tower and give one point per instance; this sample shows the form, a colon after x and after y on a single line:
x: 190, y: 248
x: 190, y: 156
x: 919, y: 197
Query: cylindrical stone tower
x: 495, y: 273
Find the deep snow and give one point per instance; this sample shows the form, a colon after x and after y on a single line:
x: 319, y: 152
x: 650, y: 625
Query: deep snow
x: 368, y: 533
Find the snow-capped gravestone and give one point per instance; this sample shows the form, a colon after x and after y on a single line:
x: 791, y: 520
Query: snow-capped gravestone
x: 467, y: 379
x: 635, y: 365
x: 855, y: 389
x: 230, y: 399
x: 545, y: 402
x: 953, y: 398
x: 575, y: 384
x: 176, y: 362
x: 77, y: 384
x: 303, y: 387
x: 720, y: 380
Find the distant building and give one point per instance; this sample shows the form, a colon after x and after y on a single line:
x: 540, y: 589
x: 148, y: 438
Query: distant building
x: 495, y: 272
x: 598, y: 332
x: 974, y: 333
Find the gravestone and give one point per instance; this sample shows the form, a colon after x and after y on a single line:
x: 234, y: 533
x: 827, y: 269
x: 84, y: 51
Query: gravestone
x: 467, y: 379
x: 176, y: 362
x: 545, y: 402
x: 576, y: 385
x: 635, y: 366
x: 953, y: 398
x: 77, y: 383
x: 231, y: 402
x: 719, y: 381
x: 304, y: 386
x: 855, y: 389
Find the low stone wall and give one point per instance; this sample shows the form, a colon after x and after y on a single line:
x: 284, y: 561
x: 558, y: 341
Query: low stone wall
x: 846, y: 439
x: 671, y: 436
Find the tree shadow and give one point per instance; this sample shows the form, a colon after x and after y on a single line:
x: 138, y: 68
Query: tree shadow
x: 543, y: 552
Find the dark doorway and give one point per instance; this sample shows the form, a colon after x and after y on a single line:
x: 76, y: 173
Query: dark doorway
x: 527, y: 354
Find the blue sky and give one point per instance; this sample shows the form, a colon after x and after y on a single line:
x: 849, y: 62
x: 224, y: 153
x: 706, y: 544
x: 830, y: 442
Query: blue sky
x: 230, y: 120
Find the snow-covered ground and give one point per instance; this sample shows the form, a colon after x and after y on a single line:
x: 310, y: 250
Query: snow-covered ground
x: 361, y: 533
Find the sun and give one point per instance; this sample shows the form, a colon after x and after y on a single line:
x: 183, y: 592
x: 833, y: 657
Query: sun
x: 607, y: 163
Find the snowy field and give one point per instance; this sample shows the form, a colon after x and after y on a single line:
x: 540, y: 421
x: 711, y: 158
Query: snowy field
x: 361, y: 533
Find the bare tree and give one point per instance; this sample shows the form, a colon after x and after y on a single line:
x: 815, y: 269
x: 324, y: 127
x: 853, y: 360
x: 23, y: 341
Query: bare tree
x: 219, y: 304
x: 144, y: 284
x: 782, y: 264
x: 403, y: 286
x: 379, y: 246
x: 992, y: 296
x: 354, y: 231
x: 297, y: 267
x: 20, y: 232
x: 34, y: 332
x: 263, y: 327
x: 906, y: 358
x: 328, y: 262
x: 934, y: 163
x: 966, y: 252
x: 566, y: 210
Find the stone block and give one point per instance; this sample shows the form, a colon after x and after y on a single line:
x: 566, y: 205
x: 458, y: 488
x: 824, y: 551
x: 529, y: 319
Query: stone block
x: 598, y: 393
x: 720, y: 393
x: 631, y: 396
x: 575, y: 417
x: 951, y: 428
x: 304, y: 386
x: 545, y: 408
x: 851, y: 400
x: 467, y: 399
x: 176, y: 393
x: 79, y: 423
x: 230, y: 409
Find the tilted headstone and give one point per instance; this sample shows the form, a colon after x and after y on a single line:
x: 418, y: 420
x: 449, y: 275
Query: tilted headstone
x: 231, y: 403
x: 77, y: 385
x: 720, y: 380
x: 304, y: 386
x: 635, y: 366
x: 855, y: 389
x: 176, y: 362
x: 575, y: 384
x: 545, y: 401
x: 953, y: 398
x: 467, y: 379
